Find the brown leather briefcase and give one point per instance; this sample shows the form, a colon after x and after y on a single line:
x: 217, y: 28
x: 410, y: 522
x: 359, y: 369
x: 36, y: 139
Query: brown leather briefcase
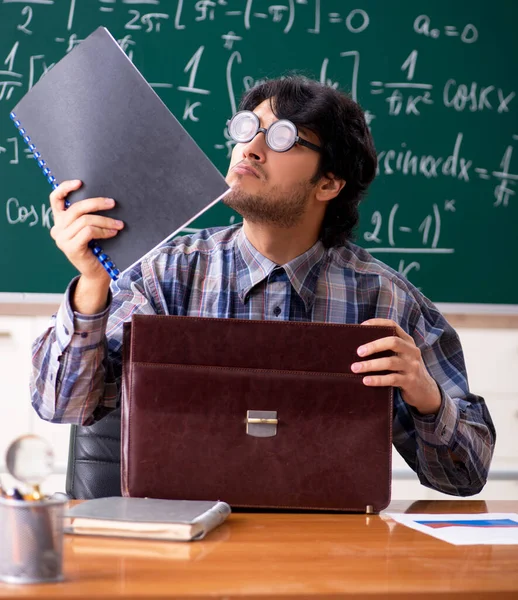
x: 259, y: 414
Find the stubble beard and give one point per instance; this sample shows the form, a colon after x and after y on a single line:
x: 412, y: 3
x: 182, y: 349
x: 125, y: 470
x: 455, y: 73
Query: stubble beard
x: 278, y: 207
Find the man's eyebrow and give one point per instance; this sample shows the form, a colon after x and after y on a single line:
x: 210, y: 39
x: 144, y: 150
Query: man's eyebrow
x: 306, y: 130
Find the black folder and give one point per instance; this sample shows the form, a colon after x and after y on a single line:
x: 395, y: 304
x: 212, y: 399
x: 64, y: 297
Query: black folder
x: 94, y: 117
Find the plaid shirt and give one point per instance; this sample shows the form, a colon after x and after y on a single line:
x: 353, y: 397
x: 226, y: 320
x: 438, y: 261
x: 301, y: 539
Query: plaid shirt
x: 218, y: 273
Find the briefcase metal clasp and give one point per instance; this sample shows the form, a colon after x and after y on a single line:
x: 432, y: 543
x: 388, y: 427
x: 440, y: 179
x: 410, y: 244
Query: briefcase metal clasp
x: 261, y: 423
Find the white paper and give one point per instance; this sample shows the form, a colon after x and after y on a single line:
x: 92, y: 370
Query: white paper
x: 463, y: 529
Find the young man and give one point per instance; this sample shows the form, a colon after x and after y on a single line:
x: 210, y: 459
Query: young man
x: 303, y: 159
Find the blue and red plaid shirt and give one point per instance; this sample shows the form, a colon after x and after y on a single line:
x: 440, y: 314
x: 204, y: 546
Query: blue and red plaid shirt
x: 218, y: 273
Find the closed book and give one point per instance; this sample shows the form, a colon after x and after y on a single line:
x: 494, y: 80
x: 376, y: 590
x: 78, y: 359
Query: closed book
x: 94, y: 117
x: 147, y: 518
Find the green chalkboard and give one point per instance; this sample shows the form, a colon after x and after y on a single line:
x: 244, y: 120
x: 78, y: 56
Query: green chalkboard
x: 438, y: 80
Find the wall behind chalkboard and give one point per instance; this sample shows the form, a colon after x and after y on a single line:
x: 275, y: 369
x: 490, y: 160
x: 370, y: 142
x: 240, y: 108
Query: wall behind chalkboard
x: 438, y: 81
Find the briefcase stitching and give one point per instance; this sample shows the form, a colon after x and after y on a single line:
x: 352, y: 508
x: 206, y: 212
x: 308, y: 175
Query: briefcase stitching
x: 250, y: 370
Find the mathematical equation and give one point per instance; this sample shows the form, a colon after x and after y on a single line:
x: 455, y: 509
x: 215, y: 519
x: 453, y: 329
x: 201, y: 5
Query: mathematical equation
x: 402, y: 92
x: 388, y: 233
x: 17, y: 213
x: 402, y: 96
x: 240, y: 12
x: 455, y: 166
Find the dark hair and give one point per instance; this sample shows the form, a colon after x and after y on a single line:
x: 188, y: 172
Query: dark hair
x: 347, y: 146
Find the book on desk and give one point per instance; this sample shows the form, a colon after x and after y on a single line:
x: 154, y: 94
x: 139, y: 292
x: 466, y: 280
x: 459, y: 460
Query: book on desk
x: 146, y: 518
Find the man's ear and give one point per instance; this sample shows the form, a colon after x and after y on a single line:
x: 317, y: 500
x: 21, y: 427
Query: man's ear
x: 329, y: 187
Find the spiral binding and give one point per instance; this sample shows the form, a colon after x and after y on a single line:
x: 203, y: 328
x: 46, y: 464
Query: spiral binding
x: 102, y: 257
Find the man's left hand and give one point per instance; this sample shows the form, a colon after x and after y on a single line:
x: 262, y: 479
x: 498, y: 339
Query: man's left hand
x: 406, y: 366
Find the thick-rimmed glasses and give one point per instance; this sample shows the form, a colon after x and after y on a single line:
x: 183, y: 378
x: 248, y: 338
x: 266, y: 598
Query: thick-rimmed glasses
x: 280, y: 136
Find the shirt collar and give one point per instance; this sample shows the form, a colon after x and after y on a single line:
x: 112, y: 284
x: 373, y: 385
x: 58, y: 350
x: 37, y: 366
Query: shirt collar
x: 252, y: 268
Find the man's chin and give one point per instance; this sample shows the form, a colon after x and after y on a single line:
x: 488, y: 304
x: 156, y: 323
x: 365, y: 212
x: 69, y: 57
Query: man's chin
x: 234, y: 199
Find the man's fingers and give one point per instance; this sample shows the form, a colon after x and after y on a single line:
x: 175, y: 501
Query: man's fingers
x: 90, y: 233
x: 391, y: 380
x: 393, y: 343
x: 87, y: 220
x: 389, y: 323
x: 82, y: 208
x: 397, y: 343
x: 90, y: 205
x: 57, y: 196
x: 389, y: 363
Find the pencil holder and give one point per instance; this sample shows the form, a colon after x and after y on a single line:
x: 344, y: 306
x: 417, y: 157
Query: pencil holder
x: 31, y: 540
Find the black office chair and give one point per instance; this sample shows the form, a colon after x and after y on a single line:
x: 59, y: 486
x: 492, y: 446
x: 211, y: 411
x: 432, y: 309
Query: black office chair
x: 93, y: 469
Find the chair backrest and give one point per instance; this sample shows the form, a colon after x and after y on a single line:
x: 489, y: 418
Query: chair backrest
x: 93, y: 469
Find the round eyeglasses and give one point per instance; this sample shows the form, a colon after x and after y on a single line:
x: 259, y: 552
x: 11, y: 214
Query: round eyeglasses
x: 280, y: 136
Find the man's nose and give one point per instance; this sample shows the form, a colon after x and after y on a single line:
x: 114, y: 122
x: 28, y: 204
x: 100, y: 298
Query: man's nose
x: 256, y: 147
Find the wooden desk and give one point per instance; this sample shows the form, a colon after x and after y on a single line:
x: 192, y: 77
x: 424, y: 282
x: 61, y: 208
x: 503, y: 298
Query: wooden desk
x: 296, y: 556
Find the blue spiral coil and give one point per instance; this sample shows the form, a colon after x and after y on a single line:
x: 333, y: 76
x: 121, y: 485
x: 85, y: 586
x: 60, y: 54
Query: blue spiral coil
x: 103, y: 258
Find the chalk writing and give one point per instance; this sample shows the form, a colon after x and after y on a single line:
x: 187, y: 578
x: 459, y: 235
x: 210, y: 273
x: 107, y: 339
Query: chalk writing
x: 468, y: 34
x: 475, y: 97
x: 437, y: 90
x: 392, y: 231
x: 19, y: 214
x: 23, y: 27
x: 407, y: 162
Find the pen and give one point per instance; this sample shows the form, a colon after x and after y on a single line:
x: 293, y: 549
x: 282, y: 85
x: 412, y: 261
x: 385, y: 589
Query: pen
x: 14, y: 494
x: 34, y: 495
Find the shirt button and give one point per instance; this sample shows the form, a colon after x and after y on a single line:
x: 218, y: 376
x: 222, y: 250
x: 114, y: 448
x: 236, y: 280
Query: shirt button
x: 443, y: 432
x: 84, y: 334
x: 277, y: 311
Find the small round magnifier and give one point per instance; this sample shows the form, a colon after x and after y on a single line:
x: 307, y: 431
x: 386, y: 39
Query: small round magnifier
x: 30, y: 460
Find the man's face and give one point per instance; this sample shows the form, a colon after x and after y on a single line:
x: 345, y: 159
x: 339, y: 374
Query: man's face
x: 271, y: 187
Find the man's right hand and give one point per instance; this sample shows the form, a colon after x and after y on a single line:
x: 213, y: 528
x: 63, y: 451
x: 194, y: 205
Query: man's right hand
x: 73, y: 229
